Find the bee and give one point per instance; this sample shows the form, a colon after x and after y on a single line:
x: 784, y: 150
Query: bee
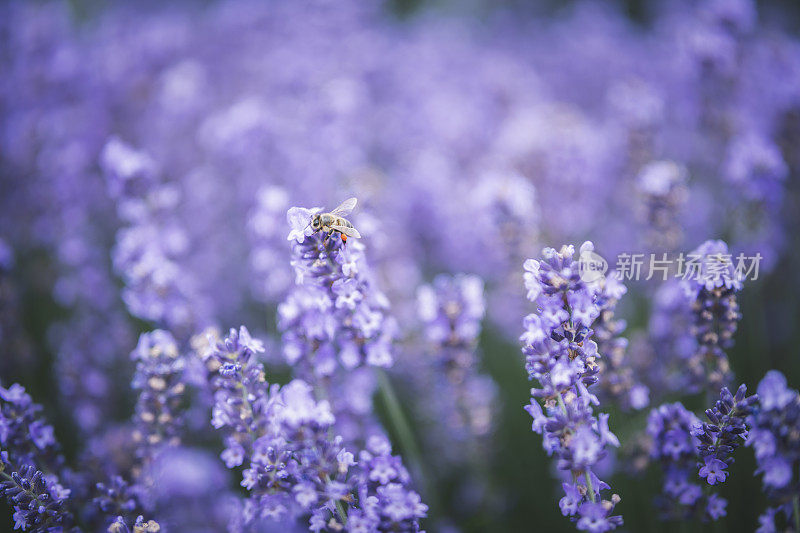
x: 335, y: 221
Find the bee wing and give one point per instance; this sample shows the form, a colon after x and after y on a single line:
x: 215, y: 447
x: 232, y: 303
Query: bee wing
x: 345, y: 208
x: 350, y: 232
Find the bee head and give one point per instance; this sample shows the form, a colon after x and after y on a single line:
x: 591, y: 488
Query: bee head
x: 315, y: 222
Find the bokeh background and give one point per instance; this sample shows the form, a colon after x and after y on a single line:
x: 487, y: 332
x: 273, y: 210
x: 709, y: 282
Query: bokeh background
x: 473, y: 133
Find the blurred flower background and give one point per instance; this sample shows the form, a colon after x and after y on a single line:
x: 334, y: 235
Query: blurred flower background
x: 183, y: 360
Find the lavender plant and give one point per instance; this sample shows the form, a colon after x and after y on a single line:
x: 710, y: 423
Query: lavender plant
x: 38, y: 503
x: 148, y: 250
x: 294, y: 465
x: 776, y: 444
x: 686, y: 448
x: 561, y: 356
x: 335, y: 323
x: 674, y: 446
x: 160, y: 383
x: 715, y: 311
x: 452, y: 309
x: 620, y: 382
x: 148, y: 154
x: 723, y: 433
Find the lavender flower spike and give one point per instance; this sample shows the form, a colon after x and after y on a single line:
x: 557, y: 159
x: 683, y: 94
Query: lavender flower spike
x: 337, y: 307
x: 711, y: 281
x: 159, y: 380
x: 24, y: 434
x: 723, y: 433
x: 294, y: 466
x: 38, y: 502
x: 562, y: 358
x: 451, y: 309
x: 334, y: 324
x: 686, y: 448
x: 672, y: 445
x: 777, y: 449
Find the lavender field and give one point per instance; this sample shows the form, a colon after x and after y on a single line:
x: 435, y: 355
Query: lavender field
x: 559, y: 291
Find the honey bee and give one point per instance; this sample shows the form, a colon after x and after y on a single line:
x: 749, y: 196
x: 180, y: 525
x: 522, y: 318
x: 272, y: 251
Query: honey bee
x: 335, y: 221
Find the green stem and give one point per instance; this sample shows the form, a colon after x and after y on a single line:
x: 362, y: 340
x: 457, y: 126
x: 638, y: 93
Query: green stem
x: 589, y: 487
x: 340, y: 510
x: 561, y: 403
x: 404, y: 433
x: 796, y: 508
x: 398, y: 419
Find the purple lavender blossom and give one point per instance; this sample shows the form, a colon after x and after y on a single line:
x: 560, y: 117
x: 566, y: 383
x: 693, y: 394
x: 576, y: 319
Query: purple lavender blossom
x: 24, y: 434
x: 280, y: 435
x: 160, y: 384
x: 777, y: 448
x: 686, y: 448
x: 38, y: 502
x: 712, y: 280
x: 620, y: 383
x: 561, y: 356
x: 388, y: 502
x: 149, y: 248
x: 293, y: 464
x: 451, y: 309
x: 334, y: 324
x: 673, y: 445
x: 336, y: 307
x: 723, y: 433
x: 662, y: 185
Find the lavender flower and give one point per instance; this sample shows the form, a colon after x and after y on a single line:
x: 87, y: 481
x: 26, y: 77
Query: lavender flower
x: 241, y: 395
x: 292, y: 463
x: 674, y: 446
x: 347, y: 312
x: 24, y: 434
x: 159, y: 381
x: 334, y: 323
x: 777, y: 448
x: 685, y: 448
x: 723, y: 433
x: 561, y: 356
x: 280, y: 435
x: 117, y: 497
x: 451, y: 310
x: 620, y: 383
x: 272, y: 276
x: 386, y: 503
x: 712, y: 281
x: 662, y: 185
x: 38, y: 501
x: 148, y: 250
